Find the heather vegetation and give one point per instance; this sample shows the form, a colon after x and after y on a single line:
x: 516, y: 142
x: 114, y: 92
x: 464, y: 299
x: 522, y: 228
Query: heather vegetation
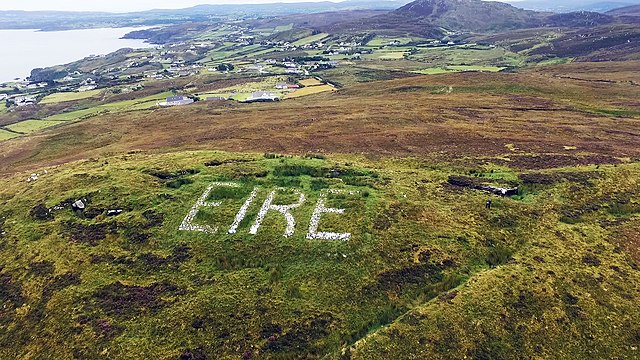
x: 419, y: 192
x: 424, y: 261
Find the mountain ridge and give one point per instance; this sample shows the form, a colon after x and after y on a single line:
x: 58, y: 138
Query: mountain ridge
x: 632, y: 10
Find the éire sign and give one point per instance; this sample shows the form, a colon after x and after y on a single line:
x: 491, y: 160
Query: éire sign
x: 188, y: 224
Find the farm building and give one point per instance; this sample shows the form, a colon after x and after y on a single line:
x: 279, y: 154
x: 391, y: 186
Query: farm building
x: 24, y: 101
x: 285, y: 86
x: 262, y: 96
x: 176, y: 101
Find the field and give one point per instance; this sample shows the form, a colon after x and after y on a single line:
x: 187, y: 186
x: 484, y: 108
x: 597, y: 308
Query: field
x: 310, y: 82
x: 242, y: 90
x: 434, y: 71
x: 6, y: 135
x: 387, y: 55
x: 30, y: 126
x: 379, y: 41
x: 283, y: 28
x: 69, y: 96
x: 387, y: 250
x: 448, y: 111
x: 309, y: 91
x: 128, y: 105
x: 310, y: 39
x: 468, y: 55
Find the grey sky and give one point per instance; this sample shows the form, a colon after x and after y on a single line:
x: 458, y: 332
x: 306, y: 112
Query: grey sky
x: 126, y: 5
x: 120, y: 5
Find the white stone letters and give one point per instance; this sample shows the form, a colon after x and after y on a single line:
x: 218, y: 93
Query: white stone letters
x: 283, y: 209
x: 243, y: 212
x: 187, y: 223
x: 268, y: 205
x: 320, y: 209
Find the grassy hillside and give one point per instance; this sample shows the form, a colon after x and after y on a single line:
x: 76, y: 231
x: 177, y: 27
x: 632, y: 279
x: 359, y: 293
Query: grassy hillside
x: 633, y: 10
x: 376, y: 245
x: 545, y: 273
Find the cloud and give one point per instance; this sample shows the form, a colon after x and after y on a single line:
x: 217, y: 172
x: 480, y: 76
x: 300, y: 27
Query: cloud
x: 119, y: 5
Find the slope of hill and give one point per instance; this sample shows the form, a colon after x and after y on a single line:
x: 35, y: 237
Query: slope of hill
x: 469, y: 15
x: 428, y: 17
x: 438, y: 17
x: 321, y: 21
x: 633, y: 10
x: 578, y: 19
x: 61, y: 20
x: 572, y: 5
x: 614, y: 42
x: 148, y: 265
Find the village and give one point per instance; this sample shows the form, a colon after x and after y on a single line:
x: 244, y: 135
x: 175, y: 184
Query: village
x: 263, y: 66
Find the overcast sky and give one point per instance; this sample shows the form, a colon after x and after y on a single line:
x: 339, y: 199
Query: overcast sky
x: 127, y: 5
x: 120, y: 5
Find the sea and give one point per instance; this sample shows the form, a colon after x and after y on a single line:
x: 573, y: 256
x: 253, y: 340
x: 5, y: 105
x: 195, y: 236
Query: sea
x: 24, y: 50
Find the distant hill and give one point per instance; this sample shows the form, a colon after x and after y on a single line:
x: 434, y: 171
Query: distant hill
x: 633, y: 10
x: 573, y: 5
x: 434, y: 18
x: 579, y: 19
x: 64, y: 20
x: 468, y: 15
x: 320, y: 21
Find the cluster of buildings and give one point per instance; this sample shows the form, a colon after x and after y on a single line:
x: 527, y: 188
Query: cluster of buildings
x: 21, y: 101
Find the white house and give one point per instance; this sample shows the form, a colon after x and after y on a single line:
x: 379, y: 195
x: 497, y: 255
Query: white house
x: 262, y: 96
x: 177, y: 101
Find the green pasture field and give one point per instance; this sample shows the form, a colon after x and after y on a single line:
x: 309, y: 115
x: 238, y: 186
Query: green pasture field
x: 29, y: 126
x: 310, y: 39
x: 136, y: 104
x: 6, y: 135
x: 69, y: 96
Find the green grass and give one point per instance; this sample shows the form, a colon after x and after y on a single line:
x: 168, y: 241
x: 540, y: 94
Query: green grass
x: 385, y: 55
x: 425, y: 262
x: 310, y: 39
x: 213, y: 35
x: 230, y: 52
x: 386, y: 41
x: 433, y: 71
x: 128, y: 105
x: 554, y: 61
x: 6, y: 135
x: 69, y: 96
x: 74, y: 115
x: 240, y: 96
x: 475, y: 68
x: 615, y: 112
x: 283, y: 28
x: 457, y: 68
x: 466, y: 56
x: 29, y: 126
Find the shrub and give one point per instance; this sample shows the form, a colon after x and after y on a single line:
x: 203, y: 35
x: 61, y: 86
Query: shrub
x: 498, y: 255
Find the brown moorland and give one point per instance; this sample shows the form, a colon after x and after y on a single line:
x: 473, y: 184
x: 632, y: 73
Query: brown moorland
x: 535, y: 119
